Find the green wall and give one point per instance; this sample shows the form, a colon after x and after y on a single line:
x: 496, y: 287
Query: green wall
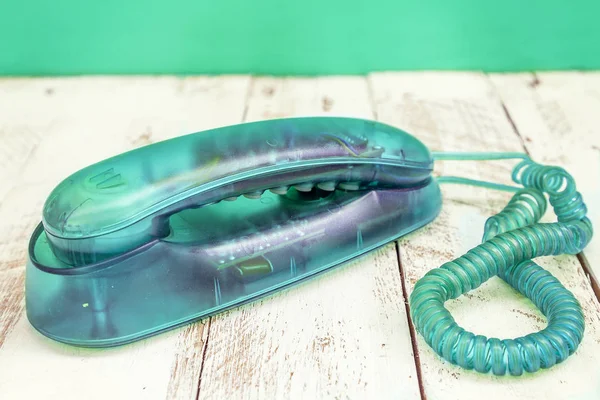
x: 41, y: 37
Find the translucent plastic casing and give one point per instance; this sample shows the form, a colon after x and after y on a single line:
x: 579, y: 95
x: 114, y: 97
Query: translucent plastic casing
x: 141, y: 242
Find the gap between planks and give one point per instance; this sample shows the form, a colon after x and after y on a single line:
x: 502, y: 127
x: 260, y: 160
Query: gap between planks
x: 413, y: 331
x: 204, y: 351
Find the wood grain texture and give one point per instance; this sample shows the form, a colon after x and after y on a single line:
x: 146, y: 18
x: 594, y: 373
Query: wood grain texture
x: 79, y: 121
x: 558, y: 115
x: 345, y: 333
x: 341, y: 335
x: 462, y: 112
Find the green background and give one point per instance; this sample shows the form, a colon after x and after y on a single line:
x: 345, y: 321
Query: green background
x: 41, y: 37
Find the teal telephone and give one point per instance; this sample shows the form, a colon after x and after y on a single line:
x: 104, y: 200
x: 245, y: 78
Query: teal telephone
x: 182, y: 229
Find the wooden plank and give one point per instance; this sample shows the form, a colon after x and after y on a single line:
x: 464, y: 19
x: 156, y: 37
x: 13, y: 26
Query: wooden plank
x: 558, y: 119
x: 343, y: 334
x: 82, y: 120
x: 462, y: 112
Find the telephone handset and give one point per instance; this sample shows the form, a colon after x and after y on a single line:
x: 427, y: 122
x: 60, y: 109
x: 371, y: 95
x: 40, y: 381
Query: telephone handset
x: 182, y: 229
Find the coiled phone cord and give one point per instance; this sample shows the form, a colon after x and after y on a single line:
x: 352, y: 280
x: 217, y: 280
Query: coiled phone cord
x: 511, y: 239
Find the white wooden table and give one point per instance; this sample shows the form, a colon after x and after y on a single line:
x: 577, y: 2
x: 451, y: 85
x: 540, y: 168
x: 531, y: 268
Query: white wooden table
x: 345, y: 334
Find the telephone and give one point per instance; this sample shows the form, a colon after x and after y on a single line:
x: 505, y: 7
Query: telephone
x: 185, y: 228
